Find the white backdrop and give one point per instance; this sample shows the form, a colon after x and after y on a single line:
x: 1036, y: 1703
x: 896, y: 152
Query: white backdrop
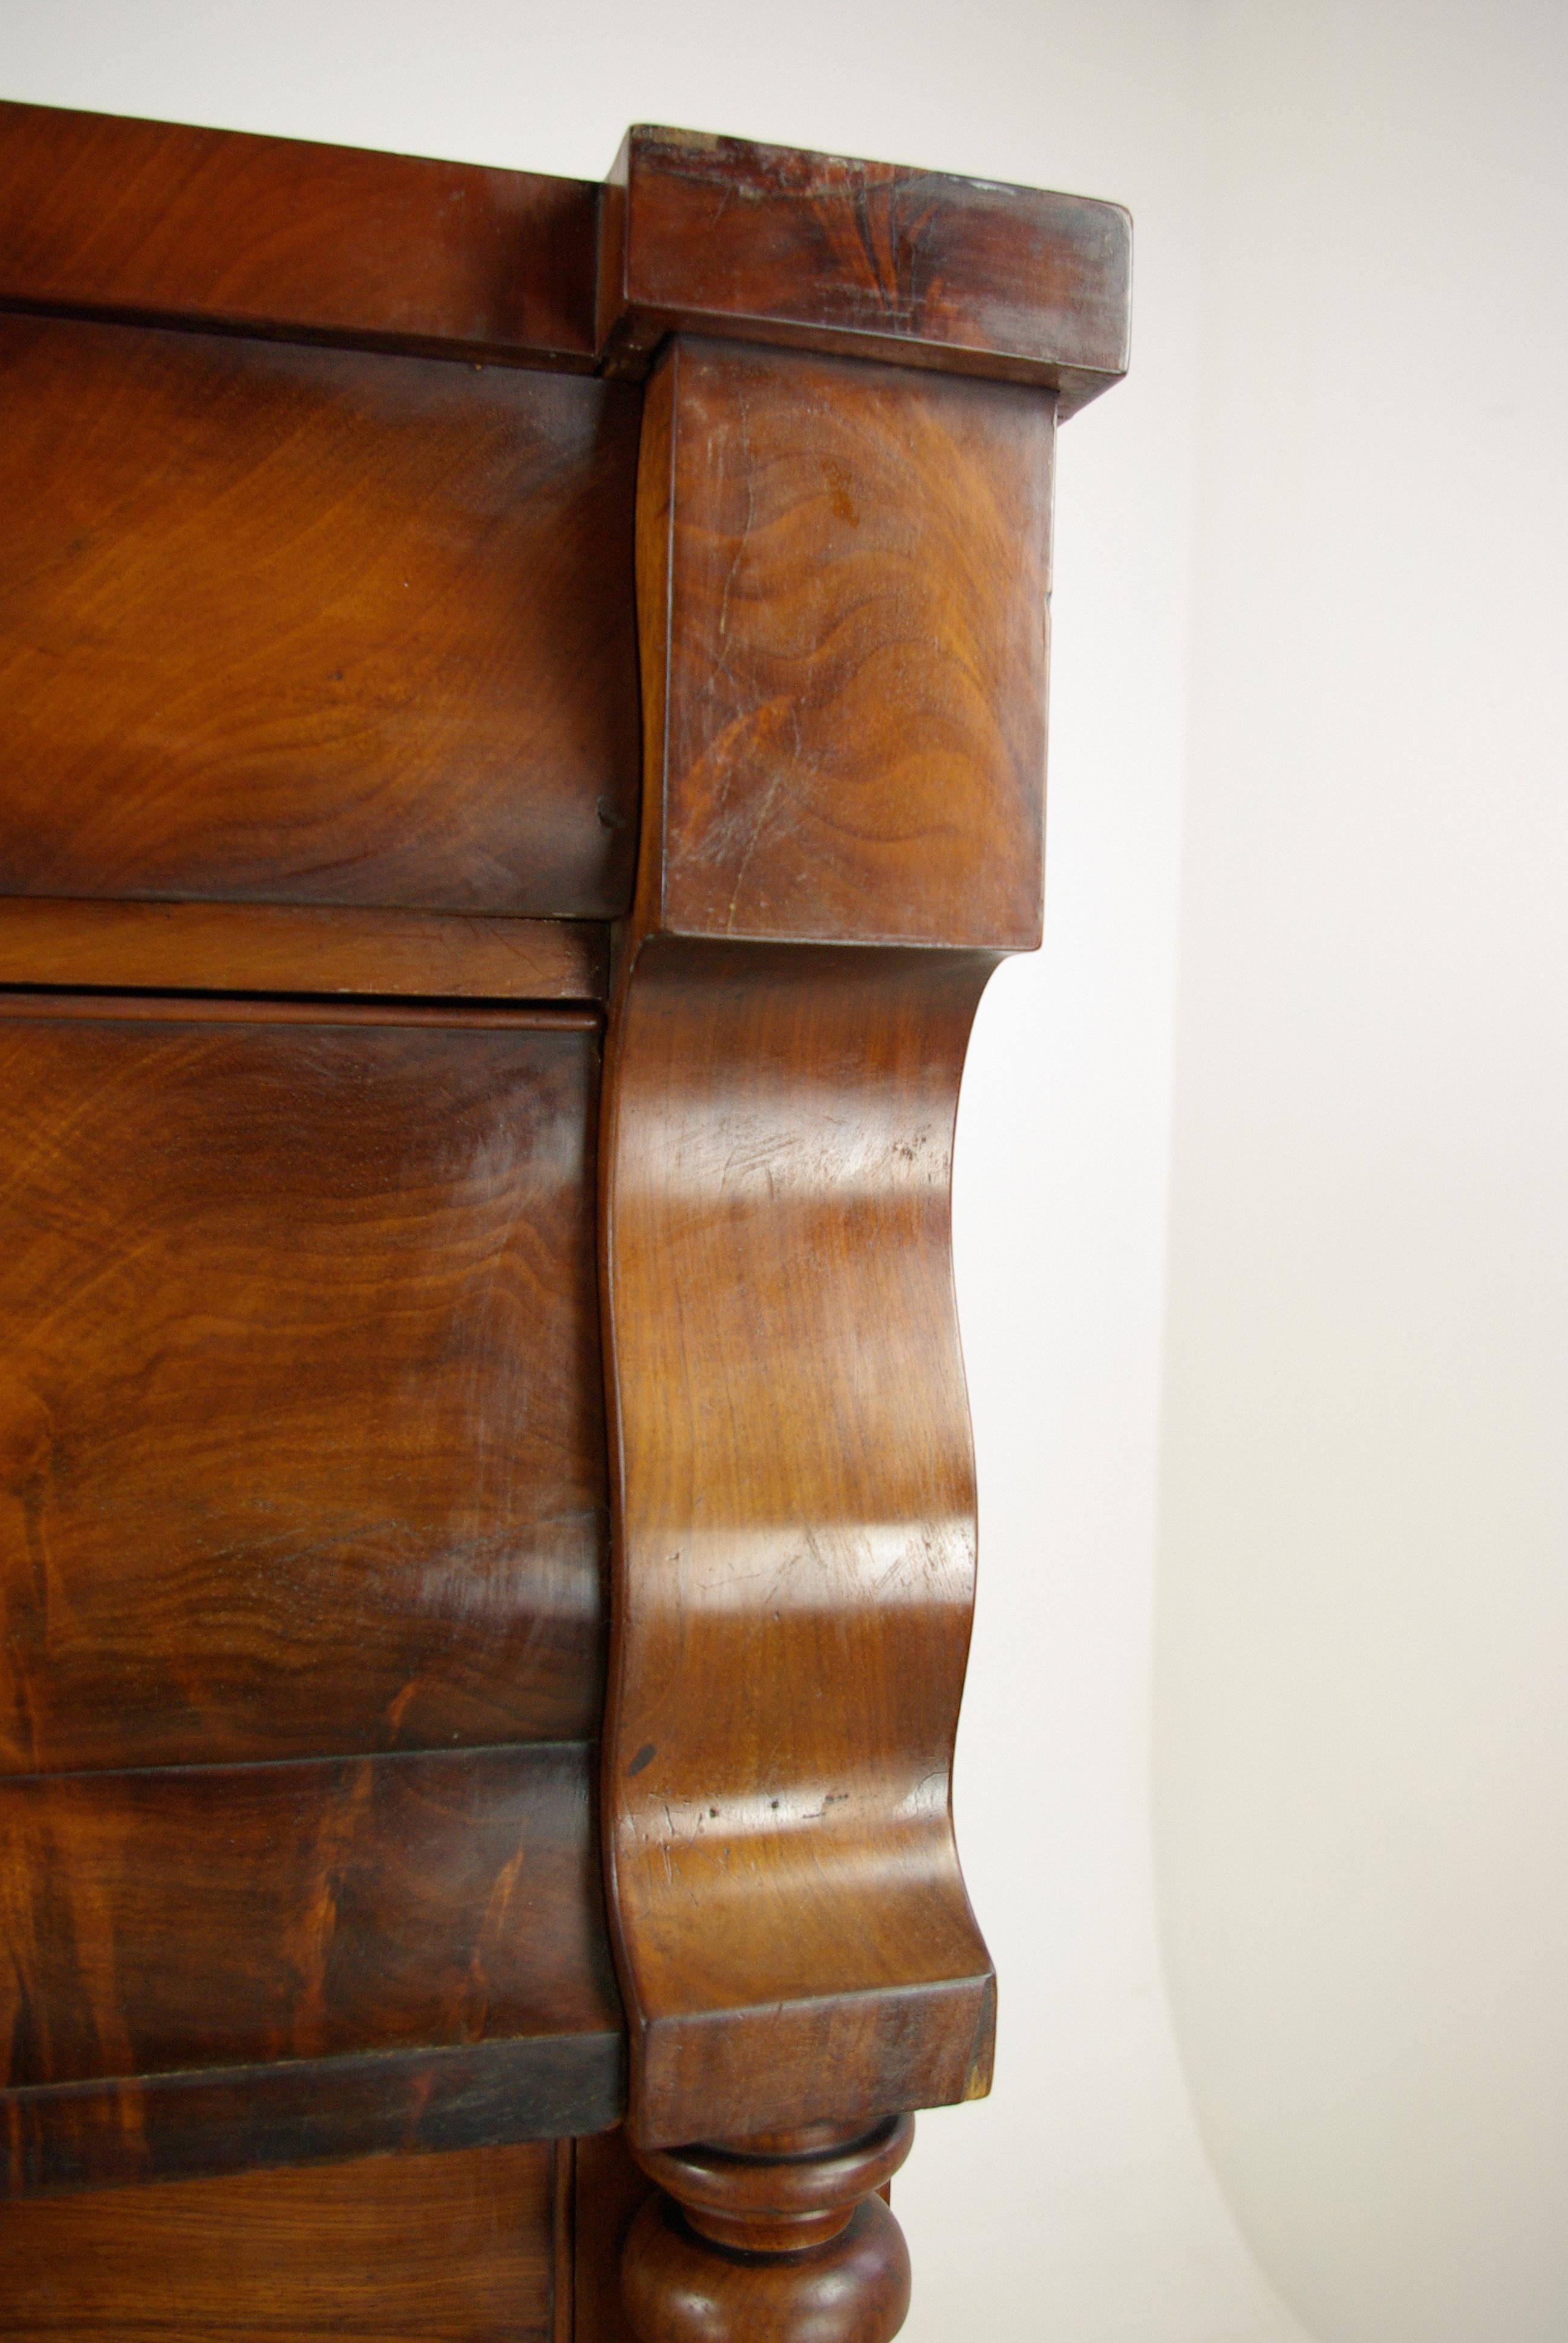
x: 1309, y: 577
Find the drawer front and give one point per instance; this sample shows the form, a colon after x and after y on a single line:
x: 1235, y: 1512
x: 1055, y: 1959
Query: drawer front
x: 160, y: 1923
x: 301, y: 1446
x: 300, y: 625
x: 462, y: 2248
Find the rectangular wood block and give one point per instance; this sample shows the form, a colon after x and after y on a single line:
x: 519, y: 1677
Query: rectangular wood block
x: 409, y: 2249
x: 774, y: 244
x: 303, y: 624
x: 301, y: 1446
x: 849, y: 714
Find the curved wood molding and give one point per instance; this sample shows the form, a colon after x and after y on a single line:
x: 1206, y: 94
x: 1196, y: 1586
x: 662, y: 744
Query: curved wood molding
x: 841, y: 586
x: 796, y: 1543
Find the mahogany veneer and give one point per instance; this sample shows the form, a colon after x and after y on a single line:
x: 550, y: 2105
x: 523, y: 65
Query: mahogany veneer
x: 444, y: 559
x: 522, y: 728
x: 300, y: 1400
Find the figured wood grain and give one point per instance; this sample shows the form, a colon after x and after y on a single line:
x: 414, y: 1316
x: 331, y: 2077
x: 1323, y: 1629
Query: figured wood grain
x: 772, y: 244
x: 197, y: 1918
x: 853, y: 570
x: 796, y: 1538
x: 276, y: 236
x: 300, y: 1418
x: 791, y: 1469
x: 455, y: 2247
x: 267, y: 947
x: 206, y: 2120
x: 312, y: 625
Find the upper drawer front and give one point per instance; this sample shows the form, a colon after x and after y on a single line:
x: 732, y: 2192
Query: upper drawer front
x: 301, y: 1446
x: 300, y: 625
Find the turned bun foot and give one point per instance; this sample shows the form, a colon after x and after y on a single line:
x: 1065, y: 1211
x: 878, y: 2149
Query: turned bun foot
x: 780, y: 2239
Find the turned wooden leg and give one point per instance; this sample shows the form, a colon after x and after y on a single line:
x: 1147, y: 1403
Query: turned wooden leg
x: 781, y: 2238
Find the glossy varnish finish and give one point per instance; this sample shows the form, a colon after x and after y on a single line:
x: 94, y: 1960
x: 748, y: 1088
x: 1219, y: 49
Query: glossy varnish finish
x: 771, y: 244
x: 312, y: 625
x: 853, y: 565
x: 273, y: 235
x: 841, y: 585
x: 163, y: 222
x: 280, y: 948
x: 452, y: 2248
x: 807, y: 2250
x: 301, y: 1432
x: 798, y: 1538
x: 167, y: 1920
x: 316, y: 677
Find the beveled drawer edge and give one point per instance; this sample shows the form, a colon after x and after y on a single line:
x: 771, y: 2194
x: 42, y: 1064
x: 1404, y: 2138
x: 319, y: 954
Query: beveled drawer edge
x: 273, y: 948
x: 199, y: 2122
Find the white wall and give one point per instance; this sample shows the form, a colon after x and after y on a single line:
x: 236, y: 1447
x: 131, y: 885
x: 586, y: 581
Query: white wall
x: 1362, y: 1651
x: 1354, y: 1654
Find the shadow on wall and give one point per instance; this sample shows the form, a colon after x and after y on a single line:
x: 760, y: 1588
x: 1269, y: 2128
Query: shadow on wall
x: 1361, y: 1764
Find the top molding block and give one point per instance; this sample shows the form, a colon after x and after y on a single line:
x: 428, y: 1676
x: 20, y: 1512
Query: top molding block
x: 771, y: 243
x: 167, y: 224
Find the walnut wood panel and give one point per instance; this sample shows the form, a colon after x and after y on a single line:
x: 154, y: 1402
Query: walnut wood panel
x: 222, y: 1917
x: 455, y: 2248
x: 854, y: 567
x: 316, y: 626
x: 300, y: 1415
x: 276, y: 235
x: 267, y: 947
x: 769, y: 244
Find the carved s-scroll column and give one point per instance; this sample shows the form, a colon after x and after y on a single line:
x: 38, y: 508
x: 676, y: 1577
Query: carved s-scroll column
x: 842, y: 592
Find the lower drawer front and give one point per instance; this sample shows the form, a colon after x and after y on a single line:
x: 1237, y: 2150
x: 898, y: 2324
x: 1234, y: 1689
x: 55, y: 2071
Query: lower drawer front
x: 455, y: 2248
x: 161, y: 1923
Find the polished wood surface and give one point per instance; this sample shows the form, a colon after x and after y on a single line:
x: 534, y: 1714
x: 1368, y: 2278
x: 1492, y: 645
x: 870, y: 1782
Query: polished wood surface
x: 268, y: 948
x: 853, y: 572
x: 166, y: 223
x: 312, y: 625
x: 276, y: 235
x: 300, y: 1420
x: 782, y: 2239
x: 319, y: 670
x: 771, y: 244
x: 451, y: 2248
x: 223, y: 1917
x: 794, y: 1548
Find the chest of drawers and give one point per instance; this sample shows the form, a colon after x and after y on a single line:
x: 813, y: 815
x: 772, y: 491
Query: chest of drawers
x: 522, y: 716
